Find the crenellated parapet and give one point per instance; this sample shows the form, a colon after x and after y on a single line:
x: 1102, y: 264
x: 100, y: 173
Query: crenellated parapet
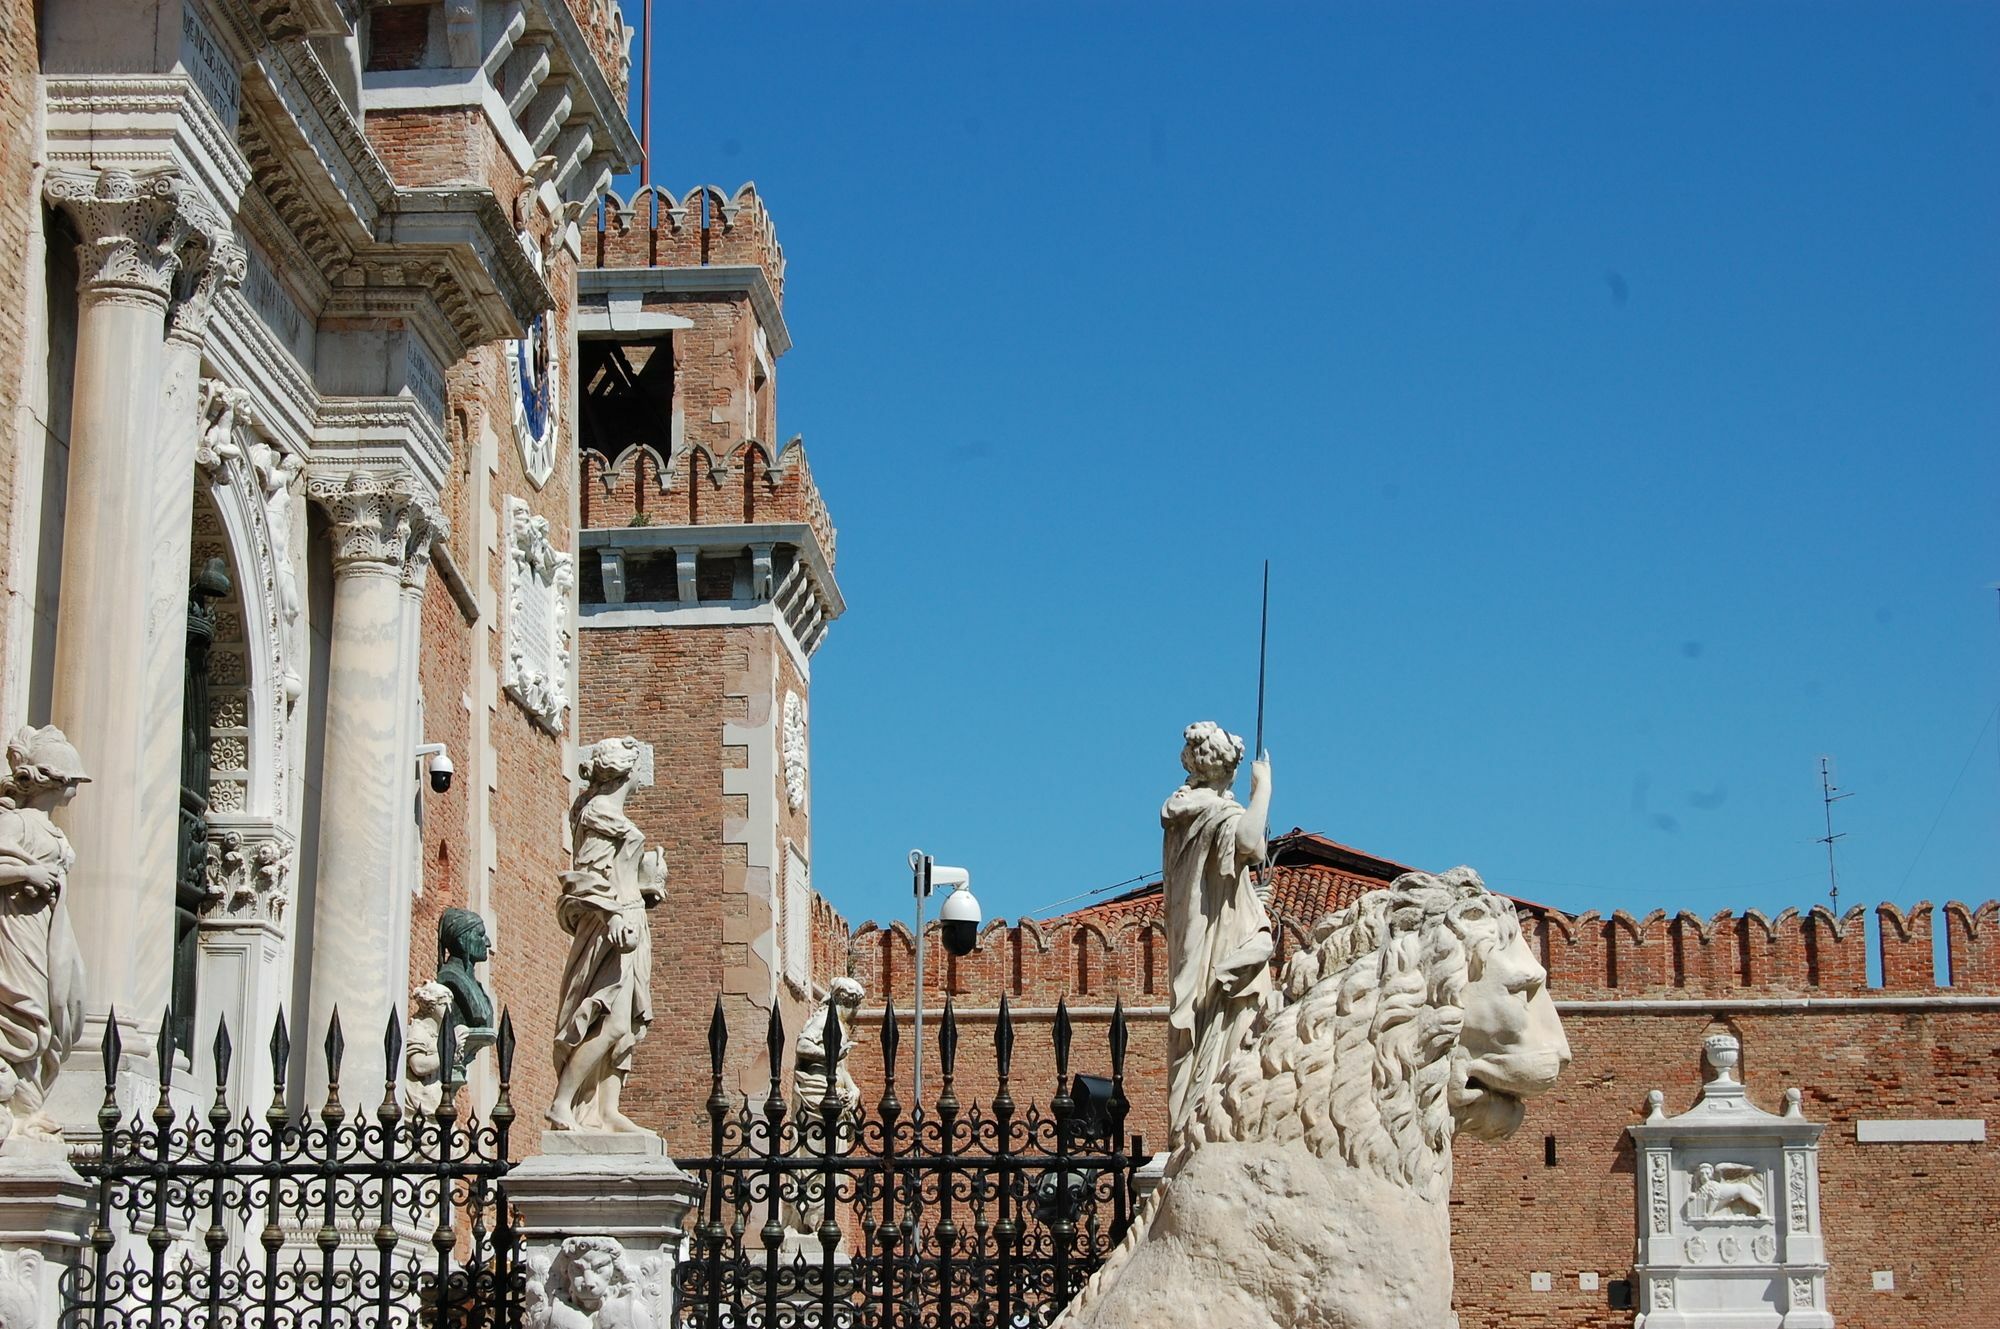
x: 1749, y: 953
x: 1972, y: 940
x: 655, y: 483
x: 1089, y: 959
x: 705, y: 227
x: 1031, y: 962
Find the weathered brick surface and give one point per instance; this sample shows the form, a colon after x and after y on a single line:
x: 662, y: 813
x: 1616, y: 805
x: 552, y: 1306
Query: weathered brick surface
x: 528, y: 799
x: 702, y: 228
x: 1925, y: 1212
x: 667, y: 687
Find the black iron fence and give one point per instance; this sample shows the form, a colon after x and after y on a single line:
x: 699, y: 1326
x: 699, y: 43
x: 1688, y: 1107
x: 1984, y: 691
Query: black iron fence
x: 354, y: 1215
x: 837, y: 1215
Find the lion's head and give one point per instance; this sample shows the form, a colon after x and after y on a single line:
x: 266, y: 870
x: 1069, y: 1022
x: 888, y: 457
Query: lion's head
x: 1428, y: 1014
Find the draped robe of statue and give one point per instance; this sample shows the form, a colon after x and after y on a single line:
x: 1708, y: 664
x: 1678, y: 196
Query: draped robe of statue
x: 1216, y: 928
x: 610, y: 965
x: 41, y: 970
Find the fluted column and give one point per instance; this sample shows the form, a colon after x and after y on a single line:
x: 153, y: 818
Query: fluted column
x: 416, y: 569
x: 189, y: 407
x: 135, y: 233
x: 380, y: 526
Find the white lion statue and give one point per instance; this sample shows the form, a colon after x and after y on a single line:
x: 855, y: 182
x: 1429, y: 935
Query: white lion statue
x: 1313, y: 1191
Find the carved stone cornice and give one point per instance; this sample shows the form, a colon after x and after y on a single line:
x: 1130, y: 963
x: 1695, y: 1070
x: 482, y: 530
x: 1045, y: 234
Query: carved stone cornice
x: 283, y: 20
x: 136, y: 121
x: 378, y: 521
x: 136, y: 229
x: 381, y: 434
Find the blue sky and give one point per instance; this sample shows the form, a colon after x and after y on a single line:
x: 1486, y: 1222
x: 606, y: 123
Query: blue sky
x: 1612, y: 388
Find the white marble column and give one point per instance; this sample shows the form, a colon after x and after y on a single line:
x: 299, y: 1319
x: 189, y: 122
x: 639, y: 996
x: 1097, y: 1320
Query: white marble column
x: 135, y: 233
x: 380, y: 525
x: 178, y: 427
x: 408, y: 852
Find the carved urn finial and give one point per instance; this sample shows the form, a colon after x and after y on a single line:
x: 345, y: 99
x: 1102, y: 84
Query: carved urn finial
x: 1723, y: 1052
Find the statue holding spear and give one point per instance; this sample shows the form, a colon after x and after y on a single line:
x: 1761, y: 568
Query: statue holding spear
x: 1219, y: 939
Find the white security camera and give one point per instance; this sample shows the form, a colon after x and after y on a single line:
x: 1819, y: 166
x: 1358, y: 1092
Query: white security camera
x: 958, y: 917
x: 440, y: 766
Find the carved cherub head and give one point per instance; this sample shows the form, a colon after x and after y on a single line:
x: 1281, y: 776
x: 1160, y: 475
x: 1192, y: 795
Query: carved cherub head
x: 431, y: 1001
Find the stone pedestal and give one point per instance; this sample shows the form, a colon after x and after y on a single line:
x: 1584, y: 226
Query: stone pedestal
x: 617, y: 1188
x: 1728, y: 1210
x: 45, y: 1210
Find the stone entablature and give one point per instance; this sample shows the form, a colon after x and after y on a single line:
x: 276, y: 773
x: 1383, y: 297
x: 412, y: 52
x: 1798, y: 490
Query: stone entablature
x: 443, y: 256
x: 1728, y: 1210
x: 600, y: 291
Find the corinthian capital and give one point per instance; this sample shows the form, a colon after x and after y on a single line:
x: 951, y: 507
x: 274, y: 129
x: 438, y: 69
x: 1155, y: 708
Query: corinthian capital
x: 434, y: 526
x: 377, y: 520
x: 211, y: 262
x: 135, y: 229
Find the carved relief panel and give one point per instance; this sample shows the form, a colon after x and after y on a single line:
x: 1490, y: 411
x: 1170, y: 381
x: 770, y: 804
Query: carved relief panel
x: 536, y: 627
x: 1728, y: 1211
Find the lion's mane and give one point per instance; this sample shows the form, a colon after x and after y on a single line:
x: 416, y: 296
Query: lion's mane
x: 1380, y: 987
x: 1391, y: 972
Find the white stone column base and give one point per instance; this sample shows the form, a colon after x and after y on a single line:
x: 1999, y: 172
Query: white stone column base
x: 623, y: 1187
x: 45, y: 1210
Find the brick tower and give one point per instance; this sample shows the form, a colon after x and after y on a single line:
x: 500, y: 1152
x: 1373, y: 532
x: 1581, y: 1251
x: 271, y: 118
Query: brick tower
x: 706, y: 577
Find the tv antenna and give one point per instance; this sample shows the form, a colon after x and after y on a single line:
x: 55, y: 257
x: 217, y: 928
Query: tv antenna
x: 1829, y: 795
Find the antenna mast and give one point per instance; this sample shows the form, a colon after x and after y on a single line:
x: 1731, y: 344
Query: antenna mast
x: 1829, y: 795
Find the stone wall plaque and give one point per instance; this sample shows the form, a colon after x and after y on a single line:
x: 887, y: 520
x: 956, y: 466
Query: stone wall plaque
x: 273, y: 304
x: 1728, y: 1210
x: 537, y: 642
x: 797, y: 920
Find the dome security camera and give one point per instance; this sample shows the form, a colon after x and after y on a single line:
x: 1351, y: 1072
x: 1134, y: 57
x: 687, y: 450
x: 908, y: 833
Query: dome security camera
x: 440, y: 766
x: 958, y: 918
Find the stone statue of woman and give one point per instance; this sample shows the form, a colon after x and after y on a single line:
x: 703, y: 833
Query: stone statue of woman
x: 606, y: 1002
x: 1219, y: 942
x: 813, y: 1072
x: 41, y: 971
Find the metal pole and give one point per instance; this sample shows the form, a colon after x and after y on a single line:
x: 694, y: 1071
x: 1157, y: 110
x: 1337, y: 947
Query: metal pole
x: 646, y: 116
x: 920, y: 880
x: 1263, y: 638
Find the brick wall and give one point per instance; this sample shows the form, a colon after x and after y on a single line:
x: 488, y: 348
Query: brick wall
x: 703, y: 228
x: 609, y: 39
x: 1928, y: 1213
x: 667, y: 687
x: 527, y: 801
